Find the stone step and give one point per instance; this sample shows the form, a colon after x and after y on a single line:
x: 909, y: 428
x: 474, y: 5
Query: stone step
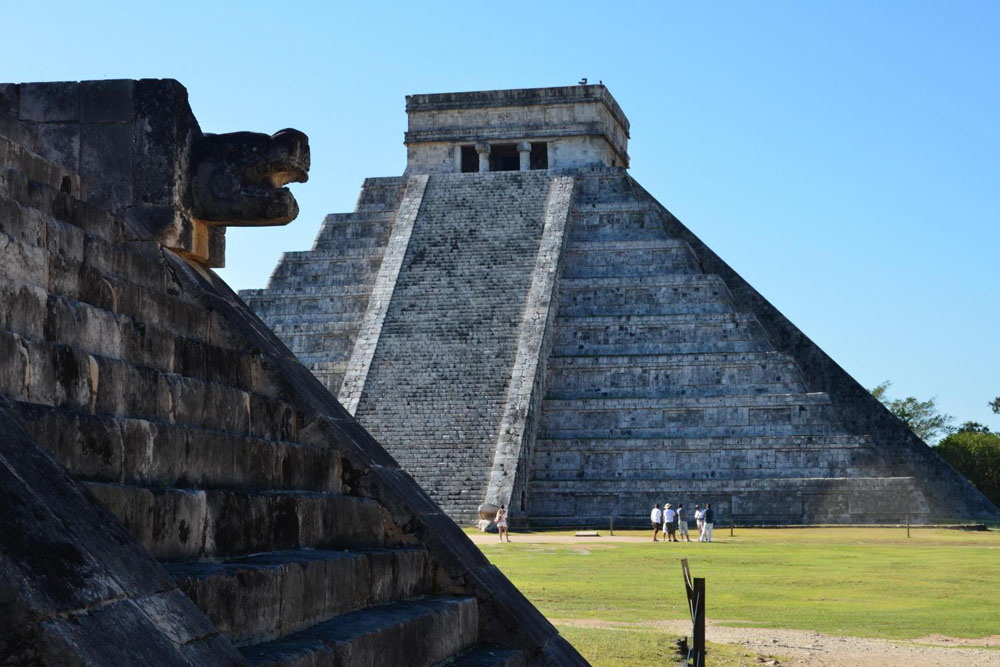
x: 651, y: 295
x: 54, y: 202
x: 260, y: 597
x: 595, y: 208
x: 333, y: 327
x: 714, y: 463
x: 627, y: 258
x: 555, y: 446
x: 749, y: 400
x: 640, y: 384
x: 603, y: 417
x: 319, y: 347
x: 36, y: 168
x: 190, y: 524
x: 297, y: 260
x: 604, y: 246
x: 681, y: 333
x: 604, y: 189
x: 20, y: 133
x: 350, y: 272
x: 700, y: 431
x: 775, y: 500
x: 677, y: 361
x: 381, y: 193
x: 154, y: 454
x: 350, y: 303
x: 616, y: 223
x: 488, y: 656
x: 416, y: 633
x: 672, y: 375
x: 339, y: 229
x: 327, y: 366
x: 354, y: 244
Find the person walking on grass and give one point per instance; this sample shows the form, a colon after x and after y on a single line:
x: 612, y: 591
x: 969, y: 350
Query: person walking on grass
x: 656, y: 518
x: 670, y: 522
x: 501, y: 522
x: 706, y: 531
x: 699, y: 520
x: 682, y: 524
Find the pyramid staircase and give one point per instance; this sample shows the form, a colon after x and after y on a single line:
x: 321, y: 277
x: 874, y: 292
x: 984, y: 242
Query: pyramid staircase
x: 316, y: 298
x: 139, y: 379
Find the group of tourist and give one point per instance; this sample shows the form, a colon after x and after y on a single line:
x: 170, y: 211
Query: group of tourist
x: 674, y: 522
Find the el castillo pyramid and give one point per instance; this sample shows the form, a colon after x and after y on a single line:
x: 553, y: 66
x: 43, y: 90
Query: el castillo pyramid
x: 519, y: 322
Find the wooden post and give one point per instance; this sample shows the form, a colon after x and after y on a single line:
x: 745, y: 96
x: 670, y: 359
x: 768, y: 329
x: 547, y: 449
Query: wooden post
x: 730, y: 527
x: 612, y: 524
x: 698, y: 649
x: 695, y: 589
x: 907, y: 526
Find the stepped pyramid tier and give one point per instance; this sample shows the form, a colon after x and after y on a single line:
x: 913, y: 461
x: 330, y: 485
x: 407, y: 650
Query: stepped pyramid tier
x: 177, y: 488
x: 520, y: 323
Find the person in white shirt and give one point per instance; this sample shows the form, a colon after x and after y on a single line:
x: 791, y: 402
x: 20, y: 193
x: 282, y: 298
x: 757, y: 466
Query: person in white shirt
x: 706, y: 529
x: 656, y: 518
x: 670, y: 523
x: 699, y: 519
x: 682, y: 523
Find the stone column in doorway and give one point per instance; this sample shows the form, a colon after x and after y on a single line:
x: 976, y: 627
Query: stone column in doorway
x: 524, y: 150
x: 484, y: 156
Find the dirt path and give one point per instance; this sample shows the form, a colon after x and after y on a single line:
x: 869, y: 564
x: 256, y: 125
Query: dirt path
x: 805, y: 648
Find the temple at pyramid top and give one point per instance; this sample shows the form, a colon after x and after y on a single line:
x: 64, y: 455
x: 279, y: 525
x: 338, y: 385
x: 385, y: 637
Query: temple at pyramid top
x: 567, y: 127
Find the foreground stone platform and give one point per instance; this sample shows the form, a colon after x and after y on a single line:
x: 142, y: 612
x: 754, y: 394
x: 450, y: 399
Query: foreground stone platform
x: 544, y: 334
x: 177, y: 489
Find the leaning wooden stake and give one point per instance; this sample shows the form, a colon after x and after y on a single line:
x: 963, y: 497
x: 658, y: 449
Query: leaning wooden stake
x: 695, y: 589
x: 698, y: 650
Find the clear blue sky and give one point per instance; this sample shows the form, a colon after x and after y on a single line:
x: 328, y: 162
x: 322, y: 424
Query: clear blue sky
x: 844, y: 157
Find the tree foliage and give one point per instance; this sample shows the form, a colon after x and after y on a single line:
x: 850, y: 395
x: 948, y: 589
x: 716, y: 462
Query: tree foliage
x: 922, y: 417
x: 975, y: 454
x: 973, y: 427
x: 995, y: 404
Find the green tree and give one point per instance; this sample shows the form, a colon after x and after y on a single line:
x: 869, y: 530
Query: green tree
x: 975, y: 454
x: 922, y: 417
x: 995, y: 404
x: 973, y: 427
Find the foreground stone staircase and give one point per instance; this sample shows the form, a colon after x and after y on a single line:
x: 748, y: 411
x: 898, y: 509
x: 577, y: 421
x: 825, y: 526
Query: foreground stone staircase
x: 659, y: 388
x: 294, y: 533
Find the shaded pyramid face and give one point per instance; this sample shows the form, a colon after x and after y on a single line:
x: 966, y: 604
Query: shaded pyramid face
x: 555, y: 341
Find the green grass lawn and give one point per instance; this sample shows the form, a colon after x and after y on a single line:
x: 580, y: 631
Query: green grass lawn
x: 865, y: 582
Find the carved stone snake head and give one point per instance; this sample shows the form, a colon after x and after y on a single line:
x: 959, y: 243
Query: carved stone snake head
x: 238, y: 178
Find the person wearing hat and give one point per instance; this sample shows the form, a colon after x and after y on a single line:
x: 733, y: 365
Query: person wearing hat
x: 670, y: 522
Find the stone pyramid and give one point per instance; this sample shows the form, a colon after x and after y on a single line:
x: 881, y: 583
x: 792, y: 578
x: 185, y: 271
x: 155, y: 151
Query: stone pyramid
x: 175, y: 488
x: 521, y: 323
